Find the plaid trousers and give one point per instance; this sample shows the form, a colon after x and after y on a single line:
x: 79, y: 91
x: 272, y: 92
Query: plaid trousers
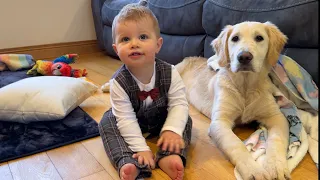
x: 120, y: 154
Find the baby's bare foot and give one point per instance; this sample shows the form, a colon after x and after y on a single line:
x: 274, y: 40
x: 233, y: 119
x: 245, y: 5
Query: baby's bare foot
x: 129, y: 172
x: 172, y: 165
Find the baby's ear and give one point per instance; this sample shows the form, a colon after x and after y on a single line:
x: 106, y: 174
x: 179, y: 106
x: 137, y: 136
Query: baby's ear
x: 159, y: 44
x: 277, y: 40
x: 115, y: 48
x: 220, y: 46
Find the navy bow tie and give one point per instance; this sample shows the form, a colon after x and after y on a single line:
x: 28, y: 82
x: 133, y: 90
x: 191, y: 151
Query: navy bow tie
x: 153, y: 93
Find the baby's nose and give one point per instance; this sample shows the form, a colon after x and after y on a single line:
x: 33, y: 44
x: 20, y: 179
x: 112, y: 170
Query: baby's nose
x: 134, y: 44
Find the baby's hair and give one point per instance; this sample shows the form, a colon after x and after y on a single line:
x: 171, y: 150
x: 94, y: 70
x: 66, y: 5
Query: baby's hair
x: 135, y: 12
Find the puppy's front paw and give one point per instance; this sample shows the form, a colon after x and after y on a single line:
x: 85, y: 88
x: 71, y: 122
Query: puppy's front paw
x: 277, y: 168
x: 251, y: 170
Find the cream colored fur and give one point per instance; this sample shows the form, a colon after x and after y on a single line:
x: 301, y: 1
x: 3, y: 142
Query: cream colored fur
x: 232, y: 96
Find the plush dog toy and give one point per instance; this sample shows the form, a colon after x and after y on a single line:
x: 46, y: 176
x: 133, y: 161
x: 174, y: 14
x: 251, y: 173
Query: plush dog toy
x: 57, y: 67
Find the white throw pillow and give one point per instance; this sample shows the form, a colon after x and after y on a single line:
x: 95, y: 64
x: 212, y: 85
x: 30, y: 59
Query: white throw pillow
x: 43, y: 98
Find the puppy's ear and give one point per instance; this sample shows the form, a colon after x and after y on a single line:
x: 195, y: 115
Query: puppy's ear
x: 277, y: 40
x: 220, y: 46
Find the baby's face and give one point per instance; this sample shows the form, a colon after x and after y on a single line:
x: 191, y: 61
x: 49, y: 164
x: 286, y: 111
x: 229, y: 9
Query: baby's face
x: 136, y: 42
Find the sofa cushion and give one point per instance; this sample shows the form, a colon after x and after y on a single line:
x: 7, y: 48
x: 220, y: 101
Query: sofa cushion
x: 111, y: 8
x: 175, y: 48
x: 178, y: 17
x: 297, y: 19
x: 208, y: 50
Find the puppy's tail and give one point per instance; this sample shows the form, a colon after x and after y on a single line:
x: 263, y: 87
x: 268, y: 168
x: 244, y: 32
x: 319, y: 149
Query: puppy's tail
x: 106, y: 87
x: 188, y: 61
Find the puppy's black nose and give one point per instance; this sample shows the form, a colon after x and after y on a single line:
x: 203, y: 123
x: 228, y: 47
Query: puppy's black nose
x: 244, y: 57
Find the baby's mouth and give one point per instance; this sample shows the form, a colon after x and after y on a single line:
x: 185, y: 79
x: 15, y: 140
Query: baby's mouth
x: 136, y: 54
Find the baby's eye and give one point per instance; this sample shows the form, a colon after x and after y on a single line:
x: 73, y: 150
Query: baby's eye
x: 143, y: 37
x: 125, y: 39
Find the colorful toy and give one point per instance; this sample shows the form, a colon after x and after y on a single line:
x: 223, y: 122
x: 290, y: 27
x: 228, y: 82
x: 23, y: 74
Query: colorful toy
x: 15, y: 62
x: 58, y: 67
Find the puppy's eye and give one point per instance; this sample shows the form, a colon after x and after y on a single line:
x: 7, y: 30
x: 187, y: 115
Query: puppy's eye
x: 259, y: 38
x: 235, y: 39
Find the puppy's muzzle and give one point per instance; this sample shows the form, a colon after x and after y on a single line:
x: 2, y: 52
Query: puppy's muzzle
x: 244, y: 59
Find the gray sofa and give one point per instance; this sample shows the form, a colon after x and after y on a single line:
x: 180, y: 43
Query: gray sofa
x: 189, y: 26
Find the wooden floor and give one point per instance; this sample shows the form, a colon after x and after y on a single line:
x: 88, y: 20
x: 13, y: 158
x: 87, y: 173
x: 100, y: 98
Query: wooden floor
x: 86, y: 160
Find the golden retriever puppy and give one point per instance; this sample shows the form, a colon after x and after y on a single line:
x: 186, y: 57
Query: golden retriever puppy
x: 241, y: 92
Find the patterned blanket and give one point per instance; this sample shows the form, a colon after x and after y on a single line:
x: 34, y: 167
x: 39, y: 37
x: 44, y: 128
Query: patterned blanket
x: 299, y: 86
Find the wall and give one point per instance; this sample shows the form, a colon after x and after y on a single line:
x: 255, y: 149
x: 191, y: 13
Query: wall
x: 38, y: 22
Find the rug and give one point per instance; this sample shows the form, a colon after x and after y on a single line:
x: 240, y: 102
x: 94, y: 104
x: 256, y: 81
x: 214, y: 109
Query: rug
x: 19, y: 140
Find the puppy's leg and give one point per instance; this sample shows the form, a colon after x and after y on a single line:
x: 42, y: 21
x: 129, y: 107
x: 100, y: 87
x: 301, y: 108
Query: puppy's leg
x: 277, y: 143
x: 221, y: 132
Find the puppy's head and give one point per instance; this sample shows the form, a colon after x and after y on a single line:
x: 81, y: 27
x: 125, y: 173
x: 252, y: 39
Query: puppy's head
x: 249, y: 46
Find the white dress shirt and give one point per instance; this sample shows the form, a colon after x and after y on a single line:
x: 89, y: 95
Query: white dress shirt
x: 127, y: 121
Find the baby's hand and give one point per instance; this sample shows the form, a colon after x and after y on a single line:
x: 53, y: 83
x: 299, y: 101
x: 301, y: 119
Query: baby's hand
x: 170, y: 141
x: 145, y: 157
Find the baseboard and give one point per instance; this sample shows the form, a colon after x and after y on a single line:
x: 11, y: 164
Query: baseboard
x: 49, y: 51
